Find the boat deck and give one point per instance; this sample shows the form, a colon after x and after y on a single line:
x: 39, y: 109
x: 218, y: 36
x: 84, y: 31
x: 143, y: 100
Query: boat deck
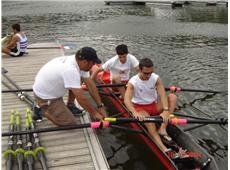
x: 66, y: 150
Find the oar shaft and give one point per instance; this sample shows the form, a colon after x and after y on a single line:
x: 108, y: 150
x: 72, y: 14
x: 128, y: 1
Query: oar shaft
x: 26, y: 96
x: 30, y: 89
x: 93, y: 125
x: 42, y: 160
x: 20, y: 94
x: 176, y: 121
x: 17, y: 90
x: 9, y: 162
x: 34, y: 48
x: 175, y: 89
x: 154, y: 119
x: 110, y: 85
x: 205, y: 121
x: 39, y: 150
x: 19, y: 151
x: 20, y: 159
x: 179, y: 89
x: 112, y: 121
x: 9, y: 153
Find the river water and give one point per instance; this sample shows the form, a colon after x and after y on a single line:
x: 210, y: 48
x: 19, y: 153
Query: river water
x: 189, y: 47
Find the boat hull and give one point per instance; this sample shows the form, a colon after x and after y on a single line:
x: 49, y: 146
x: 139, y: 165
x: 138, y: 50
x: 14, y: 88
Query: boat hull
x: 183, y: 139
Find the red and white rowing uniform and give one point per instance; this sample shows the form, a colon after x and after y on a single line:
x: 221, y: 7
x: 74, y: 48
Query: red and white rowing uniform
x: 145, y: 94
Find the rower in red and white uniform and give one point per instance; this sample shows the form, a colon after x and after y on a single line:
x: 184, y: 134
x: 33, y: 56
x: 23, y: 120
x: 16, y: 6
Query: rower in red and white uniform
x: 141, y: 98
x: 119, y: 68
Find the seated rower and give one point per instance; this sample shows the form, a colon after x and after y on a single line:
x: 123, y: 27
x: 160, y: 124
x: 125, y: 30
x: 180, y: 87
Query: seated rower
x: 17, y: 43
x: 141, y: 98
x: 119, y: 67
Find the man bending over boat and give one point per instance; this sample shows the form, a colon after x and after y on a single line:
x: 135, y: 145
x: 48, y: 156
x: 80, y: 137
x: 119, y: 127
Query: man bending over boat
x: 62, y: 74
x: 119, y: 67
x: 141, y: 98
x: 16, y: 44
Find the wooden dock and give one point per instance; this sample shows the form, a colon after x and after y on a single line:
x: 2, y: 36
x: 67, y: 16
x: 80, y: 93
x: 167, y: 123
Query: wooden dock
x: 66, y: 150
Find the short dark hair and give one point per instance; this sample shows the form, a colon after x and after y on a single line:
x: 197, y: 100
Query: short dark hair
x: 16, y: 27
x: 122, y: 49
x: 87, y: 53
x: 145, y: 62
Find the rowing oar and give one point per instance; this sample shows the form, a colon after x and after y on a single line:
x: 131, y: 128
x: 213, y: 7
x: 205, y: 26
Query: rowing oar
x: 9, y: 154
x: 57, y: 47
x: 113, y: 121
x: 29, y: 154
x: 171, y: 89
x: 93, y: 125
x: 173, y: 121
x: 174, y: 89
x: 28, y: 90
x: 39, y: 150
x: 22, y: 95
x: 19, y: 151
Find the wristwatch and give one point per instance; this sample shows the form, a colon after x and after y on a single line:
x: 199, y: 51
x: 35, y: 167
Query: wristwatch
x: 100, y: 105
x: 166, y: 109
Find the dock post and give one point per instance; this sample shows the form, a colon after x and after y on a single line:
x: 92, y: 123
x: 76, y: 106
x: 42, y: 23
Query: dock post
x: 211, y: 4
x: 176, y: 4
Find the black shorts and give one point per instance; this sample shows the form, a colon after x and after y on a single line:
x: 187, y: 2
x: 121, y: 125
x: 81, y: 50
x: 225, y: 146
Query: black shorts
x: 14, y: 52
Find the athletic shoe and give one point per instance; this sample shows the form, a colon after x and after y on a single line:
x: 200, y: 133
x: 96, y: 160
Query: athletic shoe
x: 76, y: 111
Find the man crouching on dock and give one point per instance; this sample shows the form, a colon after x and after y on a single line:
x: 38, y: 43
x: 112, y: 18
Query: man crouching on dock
x: 62, y: 74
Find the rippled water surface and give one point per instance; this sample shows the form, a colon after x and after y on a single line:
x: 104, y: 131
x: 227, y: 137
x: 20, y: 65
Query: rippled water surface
x: 189, y: 47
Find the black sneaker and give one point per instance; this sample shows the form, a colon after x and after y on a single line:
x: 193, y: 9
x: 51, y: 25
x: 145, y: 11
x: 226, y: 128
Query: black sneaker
x: 37, y: 116
x: 76, y: 111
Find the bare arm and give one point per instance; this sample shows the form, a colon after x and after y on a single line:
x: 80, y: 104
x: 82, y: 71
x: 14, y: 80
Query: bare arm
x: 93, y: 91
x: 78, y: 94
x: 164, y: 100
x: 161, y: 92
x: 13, y: 42
x: 95, y: 72
x: 128, y: 97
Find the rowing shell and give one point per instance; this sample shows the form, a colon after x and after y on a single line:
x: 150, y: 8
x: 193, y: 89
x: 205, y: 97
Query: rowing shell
x: 200, y: 158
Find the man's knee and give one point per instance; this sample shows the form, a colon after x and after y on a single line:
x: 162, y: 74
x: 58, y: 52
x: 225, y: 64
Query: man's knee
x: 172, y: 98
x: 61, y: 120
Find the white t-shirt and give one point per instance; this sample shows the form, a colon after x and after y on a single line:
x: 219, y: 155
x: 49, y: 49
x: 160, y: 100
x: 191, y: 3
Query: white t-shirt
x: 144, y: 91
x: 58, y: 75
x: 117, y: 68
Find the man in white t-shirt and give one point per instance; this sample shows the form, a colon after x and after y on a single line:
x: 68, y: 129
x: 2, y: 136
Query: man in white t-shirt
x: 64, y: 74
x: 119, y: 67
x: 141, y: 98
